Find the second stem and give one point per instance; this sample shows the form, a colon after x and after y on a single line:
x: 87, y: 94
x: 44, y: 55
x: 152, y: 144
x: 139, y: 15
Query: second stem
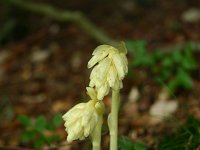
x: 114, y: 119
x: 96, y: 136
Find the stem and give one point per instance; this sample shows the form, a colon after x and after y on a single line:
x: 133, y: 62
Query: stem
x: 96, y: 135
x: 73, y: 16
x: 114, y: 120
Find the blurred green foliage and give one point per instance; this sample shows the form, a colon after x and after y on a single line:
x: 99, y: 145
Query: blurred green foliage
x: 6, y: 30
x: 125, y: 143
x: 186, y: 137
x: 174, y: 68
x: 34, y: 130
x: 6, y: 109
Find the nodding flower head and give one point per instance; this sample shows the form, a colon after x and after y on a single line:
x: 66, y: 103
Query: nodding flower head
x: 110, y: 66
x: 81, y: 120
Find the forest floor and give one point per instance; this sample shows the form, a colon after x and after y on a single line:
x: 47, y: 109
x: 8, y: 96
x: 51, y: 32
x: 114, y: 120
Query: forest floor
x: 43, y: 70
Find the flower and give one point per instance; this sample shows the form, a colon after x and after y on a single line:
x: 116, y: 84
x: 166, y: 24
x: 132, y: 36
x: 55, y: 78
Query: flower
x: 81, y: 120
x: 110, y: 67
x: 92, y: 93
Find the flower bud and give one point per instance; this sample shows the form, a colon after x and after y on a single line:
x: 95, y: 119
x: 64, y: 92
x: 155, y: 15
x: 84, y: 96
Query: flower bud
x: 81, y: 120
x: 110, y: 68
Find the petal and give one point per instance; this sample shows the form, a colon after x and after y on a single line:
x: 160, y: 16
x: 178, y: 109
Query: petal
x: 81, y: 135
x: 124, y: 58
x: 70, y: 137
x: 93, y: 61
x: 70, y: 122
x: 87, y: 130
x: 102, y: 91
x: 104, y: 66
x: 96, y: 58
x: 112, y: 75
x: 100, y: 49
x: 92, y: 93
x: 70, y: 113
x: 95, y: 82
x: 94, y: 72
x: 119, y: 66
x: 86, y: 116
x: 76, y: 128
x: 74, y: 132
x: 125, y: 62
x: 92, y: 83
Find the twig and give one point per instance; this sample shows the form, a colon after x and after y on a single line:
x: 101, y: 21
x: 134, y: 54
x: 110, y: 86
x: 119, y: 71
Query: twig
x: 83, y: 22
x: 73, y: 16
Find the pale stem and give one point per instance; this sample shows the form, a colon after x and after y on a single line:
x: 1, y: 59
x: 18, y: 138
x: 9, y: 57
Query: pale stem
x: 114, y: 119
x: 96, y: 135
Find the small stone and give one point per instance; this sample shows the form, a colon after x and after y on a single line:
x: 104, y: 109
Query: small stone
x: 133, y: 95
x: 163, y: 108
x: 4, y: 55
x: 76, y: 61
x: 39, y: 56
x: 191, y: 15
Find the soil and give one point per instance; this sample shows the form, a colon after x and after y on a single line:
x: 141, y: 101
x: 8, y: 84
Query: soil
x: 43, y: 66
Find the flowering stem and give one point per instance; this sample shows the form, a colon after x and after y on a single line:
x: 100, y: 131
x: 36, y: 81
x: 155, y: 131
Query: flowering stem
x: 96, y: 135
x: 114, y: 119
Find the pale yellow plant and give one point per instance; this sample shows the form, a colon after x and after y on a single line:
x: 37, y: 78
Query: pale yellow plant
x: 110, y: 67
x: 85, y: 119
x: 81, y: 120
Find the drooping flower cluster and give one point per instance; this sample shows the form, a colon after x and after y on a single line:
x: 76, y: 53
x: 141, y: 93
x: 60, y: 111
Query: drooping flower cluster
x: 110, y: 67
x: 81, y: 120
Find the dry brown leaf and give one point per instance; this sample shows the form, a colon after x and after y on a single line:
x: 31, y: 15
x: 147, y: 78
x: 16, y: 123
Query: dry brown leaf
x: 61, y: 105
x: 191, y: 15
x: 162, y: 108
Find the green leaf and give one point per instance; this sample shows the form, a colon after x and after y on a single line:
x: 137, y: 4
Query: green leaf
x: 125, y: 143
x: 139, y: 146
x: 182, y: 80
x: 185, y: 80
x: 52, y: 139
x: 173, y: 85
x: 157, y: 55
x: 186, y: 136
x: 189, y: 64
x: 188, y: 49
x: 57, y: 120
x: 168, y: 62
x: 177, y: 56
x: 165, y: 74
x: 40, y: 123
x: 27, y: 136
x: 24, y: 120
x: 139, y: 53
x: 138, y: 48
x: 39, y: 142
x: 50, y: 127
